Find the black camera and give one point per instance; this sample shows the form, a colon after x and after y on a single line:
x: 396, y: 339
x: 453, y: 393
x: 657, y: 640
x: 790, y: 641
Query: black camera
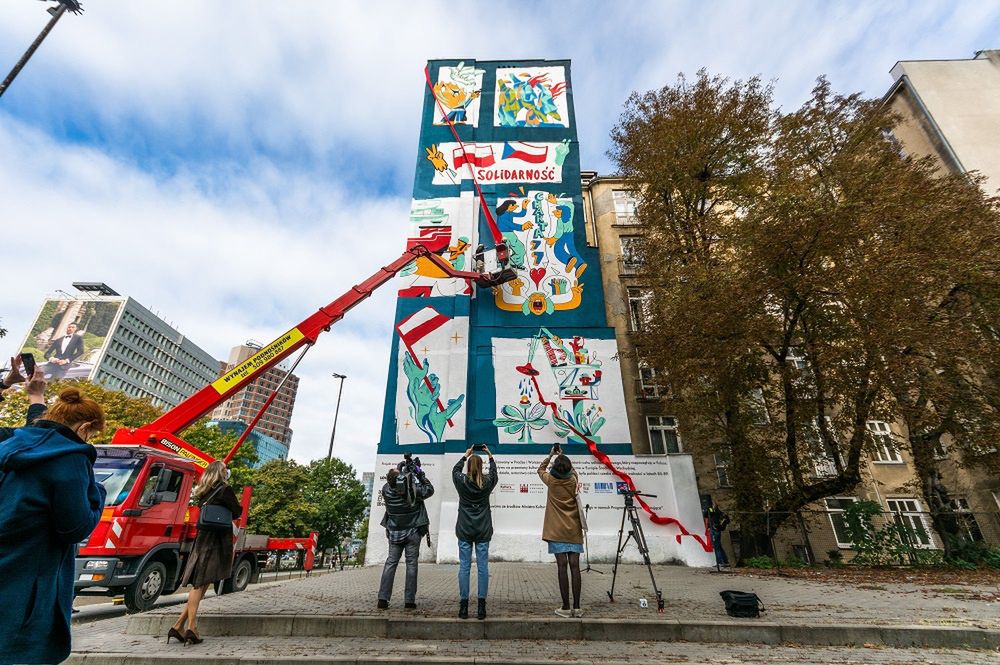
x: 410, y: 464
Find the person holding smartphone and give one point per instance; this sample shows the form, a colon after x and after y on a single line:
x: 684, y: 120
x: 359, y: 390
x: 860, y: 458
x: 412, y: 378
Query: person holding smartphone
x: 563, y: 526
x: 35, y: 389
x: 474, y: 527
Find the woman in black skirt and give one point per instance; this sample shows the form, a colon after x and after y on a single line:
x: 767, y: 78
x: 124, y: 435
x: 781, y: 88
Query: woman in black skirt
x: 211, y: 557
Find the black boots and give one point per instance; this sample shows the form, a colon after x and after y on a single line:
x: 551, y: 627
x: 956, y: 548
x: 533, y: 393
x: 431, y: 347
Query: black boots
x: 463, y: 609
x: 481, y: 613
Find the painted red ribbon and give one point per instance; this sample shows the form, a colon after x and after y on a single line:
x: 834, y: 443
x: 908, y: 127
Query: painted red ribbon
x: 494, y: 231
x: 704, y: 540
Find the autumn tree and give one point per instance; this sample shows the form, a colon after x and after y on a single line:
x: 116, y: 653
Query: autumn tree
x: 806, y: 278
x: 280, y: 506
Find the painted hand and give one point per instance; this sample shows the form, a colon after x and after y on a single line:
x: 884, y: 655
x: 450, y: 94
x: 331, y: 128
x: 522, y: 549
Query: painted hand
x: 436, y: 158
x: 526, y: 226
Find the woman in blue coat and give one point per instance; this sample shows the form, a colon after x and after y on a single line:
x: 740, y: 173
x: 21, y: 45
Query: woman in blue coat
x: 51, y: 502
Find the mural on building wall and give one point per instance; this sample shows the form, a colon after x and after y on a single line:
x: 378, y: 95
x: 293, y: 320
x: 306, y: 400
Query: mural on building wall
x: 531, y: 97
x: 538, y: 228
x: 569, y: 372
x: 504, y: 162
x: 431, y: 377
x: 446, y: 226
x: 459, y: 90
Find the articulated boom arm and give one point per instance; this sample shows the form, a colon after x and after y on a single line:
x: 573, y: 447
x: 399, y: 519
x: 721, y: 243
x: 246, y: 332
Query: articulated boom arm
x: 163, y: 432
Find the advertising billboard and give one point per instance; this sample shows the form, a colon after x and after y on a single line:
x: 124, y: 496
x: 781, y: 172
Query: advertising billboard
x: 68, y: 336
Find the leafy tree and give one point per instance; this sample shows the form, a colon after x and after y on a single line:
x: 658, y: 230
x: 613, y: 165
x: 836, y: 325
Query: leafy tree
x: 338, y: 498
x: 217, y: 443
x: 280, y: 506
x: 799, y: 264
x: 362, y: 535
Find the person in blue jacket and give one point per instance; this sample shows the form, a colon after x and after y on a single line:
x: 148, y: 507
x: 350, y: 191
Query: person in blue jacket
x: 51, y: 502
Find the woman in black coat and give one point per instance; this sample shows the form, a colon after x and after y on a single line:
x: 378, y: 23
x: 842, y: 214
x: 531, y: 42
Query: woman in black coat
x: 211, y: 558
x: 474, y: 527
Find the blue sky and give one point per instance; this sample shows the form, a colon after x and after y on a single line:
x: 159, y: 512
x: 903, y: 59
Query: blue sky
x: 235, y: 165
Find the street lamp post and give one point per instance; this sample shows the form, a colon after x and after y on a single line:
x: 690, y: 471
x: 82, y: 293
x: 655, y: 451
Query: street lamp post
x: 336, y: 413
x: 56, y: 12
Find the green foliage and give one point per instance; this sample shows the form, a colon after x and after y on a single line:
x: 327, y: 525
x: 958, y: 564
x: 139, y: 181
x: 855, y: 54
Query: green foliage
x: 929, y: 558
x: 338, y: 498
x: 875, y: 545
x: 217, y: 443
x: 794, y: 562
x: 279, y: 506
x: 968, y: 555
x: 762, y: 562
x: 362, y: 535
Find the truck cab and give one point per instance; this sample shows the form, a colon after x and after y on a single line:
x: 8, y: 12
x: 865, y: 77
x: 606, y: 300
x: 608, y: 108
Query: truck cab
x: 145, y: 530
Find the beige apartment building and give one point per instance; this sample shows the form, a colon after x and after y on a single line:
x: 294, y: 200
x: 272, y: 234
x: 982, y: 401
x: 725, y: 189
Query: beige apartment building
x: 888, y: 472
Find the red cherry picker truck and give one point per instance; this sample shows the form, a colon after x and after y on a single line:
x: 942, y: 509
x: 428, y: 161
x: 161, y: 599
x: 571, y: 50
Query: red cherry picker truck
x: 148, y: 527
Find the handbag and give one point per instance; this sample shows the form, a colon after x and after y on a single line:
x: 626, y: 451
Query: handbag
x: 742, y: 604
x: 213, y: 517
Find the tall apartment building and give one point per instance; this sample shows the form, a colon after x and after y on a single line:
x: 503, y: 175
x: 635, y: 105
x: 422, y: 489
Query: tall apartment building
x: 245, y: 404
x: 114, y: 341
x: 889, y: 477
x: 950, y: 110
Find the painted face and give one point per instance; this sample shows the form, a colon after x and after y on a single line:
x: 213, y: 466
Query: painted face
x: 536, y: 303
x: 451, y: 94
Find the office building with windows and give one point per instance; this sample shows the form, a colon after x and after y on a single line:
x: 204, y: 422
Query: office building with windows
x: 268, y: 448
x: 244, y: 405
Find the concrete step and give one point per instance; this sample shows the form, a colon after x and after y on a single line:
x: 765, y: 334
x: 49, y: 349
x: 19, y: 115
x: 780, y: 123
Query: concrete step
x: 758, y: 631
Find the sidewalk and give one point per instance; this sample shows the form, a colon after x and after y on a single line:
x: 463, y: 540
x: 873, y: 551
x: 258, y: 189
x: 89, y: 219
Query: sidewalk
x: 333, y: 619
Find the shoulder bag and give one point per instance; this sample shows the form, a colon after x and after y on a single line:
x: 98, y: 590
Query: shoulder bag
x: 213, y: 517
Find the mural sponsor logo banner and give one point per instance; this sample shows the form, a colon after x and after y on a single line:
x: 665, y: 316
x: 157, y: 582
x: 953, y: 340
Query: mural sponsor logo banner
x: 576, y: 373
x: 538, y: 228
x: 458, y: 91
x: 531, y: 97
x: 431, y: 379
x: 447, y: 227
x: 504, y: 162
x: 68, y: 336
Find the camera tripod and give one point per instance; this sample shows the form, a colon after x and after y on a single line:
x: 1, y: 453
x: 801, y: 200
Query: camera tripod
x: 588, y: 569
x: 635, y: 533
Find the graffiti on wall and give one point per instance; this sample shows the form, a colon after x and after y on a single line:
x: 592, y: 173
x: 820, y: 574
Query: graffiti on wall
x: 504, y: 162
x: 538, y: 228
x: 431, y: 379
x: 568, y: 371
x: 531, y: 97
x: 445, y: 226
x: 458, y: 90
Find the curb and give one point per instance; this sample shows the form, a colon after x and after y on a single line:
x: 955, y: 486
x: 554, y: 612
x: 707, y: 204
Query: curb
x: 119, y: 659
x: 608, y: 630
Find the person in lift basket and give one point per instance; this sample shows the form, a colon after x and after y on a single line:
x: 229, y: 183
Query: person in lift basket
x: 406, y: 523
x: 51, y: 502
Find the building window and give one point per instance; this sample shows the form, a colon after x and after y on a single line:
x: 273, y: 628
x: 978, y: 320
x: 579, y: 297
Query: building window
x: 883, y: 447
x: 663, y: 438
x: 625, y: 205
x: 966, y: 519
x: 823, y: 464
x: 757, y: 407
x: 638, y: 308
x: 631, y: 262
x: 722, y: 468
x: 835, y: 507
x: 647, y: 383
x: 908, y: 514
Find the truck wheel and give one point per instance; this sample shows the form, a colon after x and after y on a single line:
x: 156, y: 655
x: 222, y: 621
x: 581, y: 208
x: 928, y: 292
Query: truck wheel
x: 240, y: 578
x: 147, y: 587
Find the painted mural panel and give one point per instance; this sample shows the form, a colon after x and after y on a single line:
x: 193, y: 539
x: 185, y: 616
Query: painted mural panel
x: 538, y: 228
x: 503, y: 162
x: 448, y: 227
x: 459, y: 90
x: 575, y: 374
x: 431, y: 377
x: 531, y: 97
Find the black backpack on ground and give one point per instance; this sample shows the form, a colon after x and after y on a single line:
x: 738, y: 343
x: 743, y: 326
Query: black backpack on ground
x: 741, y: 604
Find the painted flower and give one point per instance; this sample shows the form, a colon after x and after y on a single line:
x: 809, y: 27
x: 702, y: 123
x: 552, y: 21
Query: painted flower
x: 521, y: 420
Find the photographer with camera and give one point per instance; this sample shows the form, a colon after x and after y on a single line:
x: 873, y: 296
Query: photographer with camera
x: 563, y: 526
x: 406, y: 523
x: 474, y: 527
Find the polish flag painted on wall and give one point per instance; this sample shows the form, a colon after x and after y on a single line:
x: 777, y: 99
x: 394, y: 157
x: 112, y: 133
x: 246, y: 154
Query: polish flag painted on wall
x: 475, y: 155
x: 526, y: 152
x: 420, y: 324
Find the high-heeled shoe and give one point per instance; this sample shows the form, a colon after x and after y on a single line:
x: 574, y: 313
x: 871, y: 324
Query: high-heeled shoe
x: 191, y: 637
x: 176, y: 634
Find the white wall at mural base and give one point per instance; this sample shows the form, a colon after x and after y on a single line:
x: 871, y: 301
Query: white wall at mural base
x: 518, y: 506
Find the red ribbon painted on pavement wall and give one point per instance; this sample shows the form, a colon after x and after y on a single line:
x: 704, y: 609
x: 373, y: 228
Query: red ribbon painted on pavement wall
x: 704, y: 540
x: 494, y: 231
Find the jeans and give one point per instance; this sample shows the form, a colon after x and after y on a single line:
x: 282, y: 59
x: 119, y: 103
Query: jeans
x: 412, y: 548
x: 465, y: 567
x: 720, y: 554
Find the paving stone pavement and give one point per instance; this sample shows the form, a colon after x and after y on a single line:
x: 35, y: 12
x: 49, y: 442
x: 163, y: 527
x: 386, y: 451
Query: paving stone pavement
x: 531, y: 590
